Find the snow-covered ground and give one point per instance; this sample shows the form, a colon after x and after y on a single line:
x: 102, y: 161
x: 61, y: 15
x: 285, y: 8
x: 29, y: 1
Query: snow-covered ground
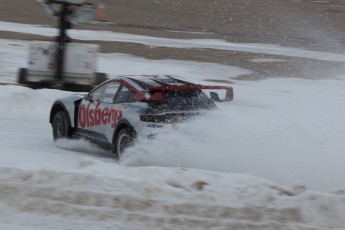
x: 271, y: 159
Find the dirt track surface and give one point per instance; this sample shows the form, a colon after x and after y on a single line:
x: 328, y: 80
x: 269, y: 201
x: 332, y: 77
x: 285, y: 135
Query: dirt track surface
x: 315, y: 25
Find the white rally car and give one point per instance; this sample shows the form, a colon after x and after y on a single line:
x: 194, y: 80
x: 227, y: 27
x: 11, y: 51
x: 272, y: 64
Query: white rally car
x: 116, y: 111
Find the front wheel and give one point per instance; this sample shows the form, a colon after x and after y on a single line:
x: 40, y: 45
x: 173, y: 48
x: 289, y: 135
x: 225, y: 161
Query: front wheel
x: 61, y: 126
x: 124, y: 140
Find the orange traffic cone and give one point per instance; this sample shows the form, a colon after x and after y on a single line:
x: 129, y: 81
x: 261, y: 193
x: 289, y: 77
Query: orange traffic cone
x: 101, y: 11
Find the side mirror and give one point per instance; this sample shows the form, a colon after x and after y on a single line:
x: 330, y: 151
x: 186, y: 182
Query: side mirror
x: 88, y: 98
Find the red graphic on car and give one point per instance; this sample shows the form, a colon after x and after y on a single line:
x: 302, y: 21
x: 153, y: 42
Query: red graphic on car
x: 93, y: 117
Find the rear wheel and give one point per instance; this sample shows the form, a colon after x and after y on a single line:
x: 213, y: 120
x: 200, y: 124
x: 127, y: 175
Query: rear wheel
x: 124, y: 139
x: 61, y: 126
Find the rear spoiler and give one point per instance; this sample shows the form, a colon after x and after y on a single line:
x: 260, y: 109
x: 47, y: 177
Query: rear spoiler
x: 229, y: 95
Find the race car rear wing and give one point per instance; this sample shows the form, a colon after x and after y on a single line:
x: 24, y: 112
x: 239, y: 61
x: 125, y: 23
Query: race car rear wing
x: 229, y: 93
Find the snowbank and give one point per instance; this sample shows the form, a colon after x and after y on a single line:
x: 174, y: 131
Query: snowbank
x: 167, y: 198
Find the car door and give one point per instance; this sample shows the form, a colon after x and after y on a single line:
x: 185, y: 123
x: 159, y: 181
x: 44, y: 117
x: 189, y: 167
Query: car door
x: 110, y: 113
x: 118, y: 110
x: 95, y: 111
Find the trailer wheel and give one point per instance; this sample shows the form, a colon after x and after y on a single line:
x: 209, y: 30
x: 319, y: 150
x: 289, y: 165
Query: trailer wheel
x: 22, y: 76
x: 100, y: 77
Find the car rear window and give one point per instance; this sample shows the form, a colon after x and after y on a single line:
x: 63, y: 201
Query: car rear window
x: 146, y: 83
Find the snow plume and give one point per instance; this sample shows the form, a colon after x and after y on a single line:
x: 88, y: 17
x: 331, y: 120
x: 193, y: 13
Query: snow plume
x: 290, y: 139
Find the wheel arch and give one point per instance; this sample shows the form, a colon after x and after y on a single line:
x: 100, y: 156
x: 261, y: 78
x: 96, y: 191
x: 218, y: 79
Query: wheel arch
x: 57, y: 107
x: 121, y: 125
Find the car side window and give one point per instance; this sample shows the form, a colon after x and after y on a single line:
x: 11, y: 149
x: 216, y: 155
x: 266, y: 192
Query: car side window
x: 124, y: 95
x: 105, y: 93
x: 109, y: 92
x: 96, y: 94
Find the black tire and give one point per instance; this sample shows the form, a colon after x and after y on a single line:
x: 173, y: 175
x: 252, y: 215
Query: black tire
x: 100, y: 78
x: 124, y: 139
x: 22, y: 73
x: 61, y: 126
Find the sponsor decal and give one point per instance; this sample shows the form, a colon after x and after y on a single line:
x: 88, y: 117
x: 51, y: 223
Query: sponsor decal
x: 93, y: 117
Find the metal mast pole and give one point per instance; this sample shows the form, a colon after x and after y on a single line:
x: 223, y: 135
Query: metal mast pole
x: 62, y: 40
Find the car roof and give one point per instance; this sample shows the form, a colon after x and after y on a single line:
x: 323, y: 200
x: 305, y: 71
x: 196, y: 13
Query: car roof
x: 149, y: 81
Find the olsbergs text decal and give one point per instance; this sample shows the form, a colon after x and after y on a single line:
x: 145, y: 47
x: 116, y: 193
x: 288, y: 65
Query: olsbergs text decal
x: 93, y: 117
